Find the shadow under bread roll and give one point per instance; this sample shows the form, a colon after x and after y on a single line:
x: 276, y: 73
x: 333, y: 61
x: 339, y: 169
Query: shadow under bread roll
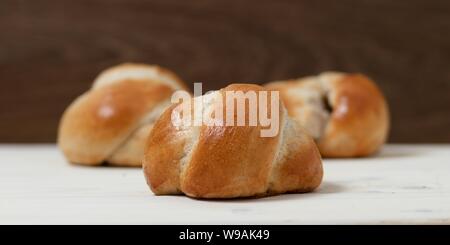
x: 229, y: 161
x: 346, y: 114
x: 111, y: 121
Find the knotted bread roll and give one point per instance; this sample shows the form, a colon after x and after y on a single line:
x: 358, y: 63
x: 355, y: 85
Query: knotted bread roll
x: 110, y: 122
x: 230, y: 161
x: 346, y: 114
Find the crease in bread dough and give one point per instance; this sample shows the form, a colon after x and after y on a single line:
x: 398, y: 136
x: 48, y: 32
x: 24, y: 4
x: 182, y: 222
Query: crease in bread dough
x: 147, y: 120
x: 281, y: 149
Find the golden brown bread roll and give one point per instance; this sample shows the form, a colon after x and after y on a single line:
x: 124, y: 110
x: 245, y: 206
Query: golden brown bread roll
x: 346, y: 114
x: 110, y: 122
x: 230, y: 161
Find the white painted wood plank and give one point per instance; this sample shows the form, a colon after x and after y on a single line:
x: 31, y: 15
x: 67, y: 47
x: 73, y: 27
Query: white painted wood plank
x: 403, y: 184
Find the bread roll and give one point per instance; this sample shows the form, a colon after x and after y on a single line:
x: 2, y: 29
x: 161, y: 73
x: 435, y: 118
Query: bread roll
x: 346, y: 114
x: 111, y: 121
x: 230, y: 161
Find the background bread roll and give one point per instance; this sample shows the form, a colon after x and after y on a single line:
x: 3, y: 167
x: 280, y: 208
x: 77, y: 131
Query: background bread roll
x: 345, y: 113
x: 111, y: 121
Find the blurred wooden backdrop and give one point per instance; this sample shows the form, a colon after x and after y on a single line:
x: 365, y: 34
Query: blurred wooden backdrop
x: 50, y: 51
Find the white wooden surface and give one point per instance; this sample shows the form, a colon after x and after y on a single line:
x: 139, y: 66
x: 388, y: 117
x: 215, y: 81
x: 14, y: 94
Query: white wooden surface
x: 404, y: 184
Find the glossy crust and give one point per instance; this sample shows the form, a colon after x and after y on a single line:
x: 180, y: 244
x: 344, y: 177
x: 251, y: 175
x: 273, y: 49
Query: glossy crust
x: 111, y: 121
x: 230, y: 161
x: 352, y: 119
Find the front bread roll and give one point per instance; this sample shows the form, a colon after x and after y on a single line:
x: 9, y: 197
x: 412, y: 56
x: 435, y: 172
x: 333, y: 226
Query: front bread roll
x: 346, y: 114
x: 110, y: 122
x: 230, y: 161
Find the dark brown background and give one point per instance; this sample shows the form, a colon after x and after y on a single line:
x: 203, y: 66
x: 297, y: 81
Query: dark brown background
x: 50, y: 51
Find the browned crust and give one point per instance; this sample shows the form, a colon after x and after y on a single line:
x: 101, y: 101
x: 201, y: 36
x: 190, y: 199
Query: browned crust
x: 301, y: 170
x: 228, y: 161
x: 164, y: 150
x: 98, y: 121
x: 359, y: 122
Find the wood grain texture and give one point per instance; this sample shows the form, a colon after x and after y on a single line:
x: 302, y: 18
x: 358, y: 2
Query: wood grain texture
x: 50, y: 51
